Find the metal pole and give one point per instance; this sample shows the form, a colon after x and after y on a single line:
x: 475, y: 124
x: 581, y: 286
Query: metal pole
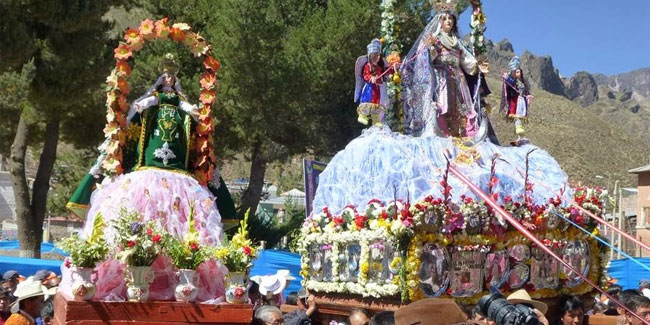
x: 620, y: 220
x: 612, y: 235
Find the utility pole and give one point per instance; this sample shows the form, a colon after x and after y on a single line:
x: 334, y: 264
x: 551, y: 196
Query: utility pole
x: 612, y: 233
x: 620, y: 221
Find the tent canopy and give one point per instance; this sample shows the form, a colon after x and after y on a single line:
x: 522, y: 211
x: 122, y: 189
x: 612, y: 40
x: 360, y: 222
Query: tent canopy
x: 627, y: 273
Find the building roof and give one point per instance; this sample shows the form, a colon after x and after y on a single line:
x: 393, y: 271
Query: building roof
x: 639, y: 170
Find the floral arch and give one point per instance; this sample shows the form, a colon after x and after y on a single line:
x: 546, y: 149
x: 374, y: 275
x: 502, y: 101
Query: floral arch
x: 118, y: 87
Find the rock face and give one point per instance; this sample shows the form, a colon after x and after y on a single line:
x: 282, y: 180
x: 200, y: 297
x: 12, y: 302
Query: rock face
x: 582, y: 88
x: 539, y: 71
x: 637, y: 82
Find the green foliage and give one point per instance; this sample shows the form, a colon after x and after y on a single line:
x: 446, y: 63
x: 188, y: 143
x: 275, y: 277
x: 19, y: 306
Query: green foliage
x: 88, y: 252
x: 186, y: 255
x: 139, y: 243
x: 82, y: 252
x: 70, y: 167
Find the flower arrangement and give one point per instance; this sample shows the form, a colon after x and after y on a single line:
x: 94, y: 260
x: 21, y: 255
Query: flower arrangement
x: 118, y: 88
x: 238, y: 253
x: 86, y: 252
x: 457, y: 226
x: 187, y: 253
x: 139, y: 243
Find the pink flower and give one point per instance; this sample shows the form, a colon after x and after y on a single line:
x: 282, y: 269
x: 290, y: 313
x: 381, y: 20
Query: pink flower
x: 146, y: 28
x: 123, y: 52
x: 67, y: 263
x: 149, y: 231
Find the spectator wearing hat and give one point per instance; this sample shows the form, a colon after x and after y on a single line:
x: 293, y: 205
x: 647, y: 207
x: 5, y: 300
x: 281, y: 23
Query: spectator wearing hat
x: 359, y: 317
x: 644, y: 287
x: 12, y: 277
x: 27, y: 308
x: 573, y: 312
x: 306, y: 308
x: 270, y: 288
x: 522, y: 297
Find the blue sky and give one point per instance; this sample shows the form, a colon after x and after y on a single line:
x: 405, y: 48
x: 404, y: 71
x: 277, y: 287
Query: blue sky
x: 597, y: 36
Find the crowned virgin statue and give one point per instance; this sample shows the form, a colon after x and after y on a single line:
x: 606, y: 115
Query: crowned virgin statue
x: 158, y: 183
x: 445, y: 120
x: 437, y: 99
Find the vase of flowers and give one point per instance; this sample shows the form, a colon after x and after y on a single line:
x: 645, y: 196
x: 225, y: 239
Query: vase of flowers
x: 140, y: 246
x: 187, y: 254
x: 84, y: 255
x: 237, y: 255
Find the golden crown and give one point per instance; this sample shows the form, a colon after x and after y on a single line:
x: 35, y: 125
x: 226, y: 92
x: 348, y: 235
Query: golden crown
x: 454, y: 6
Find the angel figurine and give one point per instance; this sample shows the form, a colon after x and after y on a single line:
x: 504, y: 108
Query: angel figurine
x: 370, y: 90
x: 516, y: 96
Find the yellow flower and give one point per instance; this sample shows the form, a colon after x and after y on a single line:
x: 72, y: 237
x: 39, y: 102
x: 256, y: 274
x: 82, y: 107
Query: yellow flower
x: 364, y: 268
x: 221, y: 253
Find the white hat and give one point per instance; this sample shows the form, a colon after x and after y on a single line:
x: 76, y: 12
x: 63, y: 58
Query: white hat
x: 286, y: 274
x: 272, y: 284
x: 28, y: 289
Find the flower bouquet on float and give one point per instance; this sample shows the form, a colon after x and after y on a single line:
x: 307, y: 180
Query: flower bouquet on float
x: 84, y: 256
x: 237, y: 255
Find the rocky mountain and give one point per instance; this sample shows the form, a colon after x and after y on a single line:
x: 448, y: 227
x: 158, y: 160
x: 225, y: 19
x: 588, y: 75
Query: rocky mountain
x: 623, y: 99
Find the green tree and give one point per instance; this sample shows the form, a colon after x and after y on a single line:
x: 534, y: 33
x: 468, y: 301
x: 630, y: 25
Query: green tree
x: 65, y: 43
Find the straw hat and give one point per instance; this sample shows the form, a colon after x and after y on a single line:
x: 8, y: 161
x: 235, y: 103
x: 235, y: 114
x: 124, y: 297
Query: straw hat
x: 521, y: 296
x: 28, y: 289
x: 272, y: 284
x: 286, y: 274
x: 429, y: 311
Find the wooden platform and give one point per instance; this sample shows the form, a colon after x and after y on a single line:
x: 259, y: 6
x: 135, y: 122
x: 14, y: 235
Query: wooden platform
x: 150, y: 313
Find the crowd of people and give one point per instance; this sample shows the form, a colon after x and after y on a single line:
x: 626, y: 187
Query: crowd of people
x: 572, y: 311
x: 28, y: 300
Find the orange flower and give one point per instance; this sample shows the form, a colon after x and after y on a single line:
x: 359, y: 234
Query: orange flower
x: 211, y: 64
x: 123, y: 52
x: 176, y: 34
x: 190, y: 40
x: 201, y: 144
x: 137, y: 46
x: 207, y: 97
x: 122, y: 104
x: 132, y: 35
x: 147, y: 29
x: 123, y: 68
x: 200, y: 47
x: 204, y: 112
x: 208, y: 81
x: 161, y: 28
x: 123, y: 86
x: 204, y: 128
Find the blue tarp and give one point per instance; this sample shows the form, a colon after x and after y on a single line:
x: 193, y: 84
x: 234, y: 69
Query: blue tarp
x: 270, y: 261
x: 628, y: 273
x: 29, y: 266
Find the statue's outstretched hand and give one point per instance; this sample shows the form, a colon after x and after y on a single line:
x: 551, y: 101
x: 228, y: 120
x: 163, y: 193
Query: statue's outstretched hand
x: 484, y: 67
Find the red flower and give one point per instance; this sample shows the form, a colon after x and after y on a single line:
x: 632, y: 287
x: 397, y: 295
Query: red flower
x: 67, y: 263
x: 359, y: 221
x: 156, y: 238
x: 384, y: 215
x: 338, y: 220
x: 194, y: 246
x: 239, y: 292
x: 130, y: 243
x: 247, y: 250
x: 468, y: 200
x: 149, y: 231
x: 177, y: 34
x: 507, y: 199
x: 211, y: 64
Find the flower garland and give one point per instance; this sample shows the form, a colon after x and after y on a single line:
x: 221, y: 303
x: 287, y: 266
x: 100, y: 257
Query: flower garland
x: 393, y: 48
x: 477, y: 22
x: 118, y: 87
x: 467, y: 225
x: 337, y: 240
